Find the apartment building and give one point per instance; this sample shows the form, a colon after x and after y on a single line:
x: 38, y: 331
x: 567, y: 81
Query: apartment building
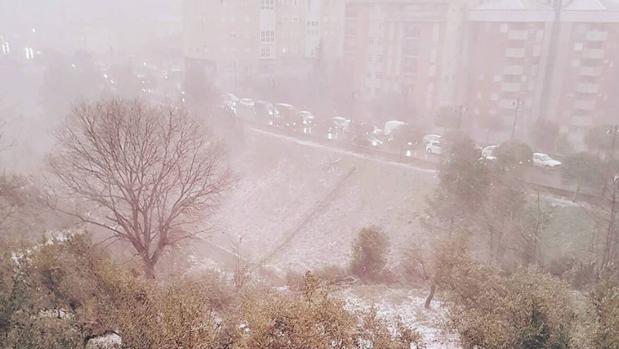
x: 531, y: 59
x: 404, y: 52
x: 585, y: 73
x: 240, y: 41
x: 507, y: 54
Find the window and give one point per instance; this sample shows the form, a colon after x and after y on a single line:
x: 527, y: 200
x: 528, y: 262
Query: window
x: 265, y: 52
x: 267, y: 4
x: 412, y: 31
x: 267, y: 36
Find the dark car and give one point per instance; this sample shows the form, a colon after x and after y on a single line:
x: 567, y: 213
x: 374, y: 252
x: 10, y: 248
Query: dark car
x: 265, y: 112
x: 288, y: 117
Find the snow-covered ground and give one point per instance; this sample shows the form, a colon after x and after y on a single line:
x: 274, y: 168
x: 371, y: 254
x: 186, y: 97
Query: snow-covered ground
x: 296, y: 205
x: 300, y: 206
x: 405, y: 305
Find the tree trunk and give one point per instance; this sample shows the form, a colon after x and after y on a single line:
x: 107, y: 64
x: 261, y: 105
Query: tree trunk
x: 430, y: 296
x: 576, y: 192
x: 149, y: 270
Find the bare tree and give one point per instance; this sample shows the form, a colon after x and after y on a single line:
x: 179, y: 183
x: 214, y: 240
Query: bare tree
x: 150, y: 173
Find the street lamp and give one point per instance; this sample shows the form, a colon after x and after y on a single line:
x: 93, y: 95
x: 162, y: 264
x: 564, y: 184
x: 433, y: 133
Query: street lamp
x: 517, y: 103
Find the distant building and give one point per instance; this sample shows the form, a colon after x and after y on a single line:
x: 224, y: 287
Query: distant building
x: 494, y: 60
x: 404, y: 52
x: 539, y: 59
x: 242, y: 42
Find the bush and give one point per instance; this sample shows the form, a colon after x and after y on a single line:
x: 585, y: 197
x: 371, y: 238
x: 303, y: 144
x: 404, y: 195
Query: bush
x: 330, y: 275
x: 63, y: 293
x: 369, y: 255
x: 527, y: 309
x: 604, y: 300
x: 513, y: 155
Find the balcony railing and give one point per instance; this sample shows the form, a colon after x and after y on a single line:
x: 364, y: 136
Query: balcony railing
x: 593, y: 53
x: 517, y: 34
x: 587, y: 105
x: 597, y: 36
x: 510, y: 87
x: 591, y: 71
x: 587, y: 88
x: 513, y: 70
x: 514, y: 53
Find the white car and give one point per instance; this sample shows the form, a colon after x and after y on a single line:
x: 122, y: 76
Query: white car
x: 427, y: 139
x: 341, y: 122
x: 488, y: 152
x: 392, y: 126
x: 434, y: 147
x: 544, y: 160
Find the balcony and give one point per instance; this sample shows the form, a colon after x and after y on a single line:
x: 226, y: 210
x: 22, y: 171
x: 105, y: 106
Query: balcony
x: 514, y: 53
x: 597, y: 36
x: 518, y: 35
x: 586, y: 105
x: 513, y: 70
x: 507, y: 104
x: 591, y: 71
x: 581, y: 121
x: 593, y: 53
x: 587, y: 88
x: 510, y: 87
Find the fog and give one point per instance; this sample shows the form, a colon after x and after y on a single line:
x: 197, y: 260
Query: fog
x: 400, y: 156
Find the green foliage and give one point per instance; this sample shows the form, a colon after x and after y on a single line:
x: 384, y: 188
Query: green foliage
x: 513, y: 155
x: 462, y: 175
x: 369, y: 254
x: 584, y: 169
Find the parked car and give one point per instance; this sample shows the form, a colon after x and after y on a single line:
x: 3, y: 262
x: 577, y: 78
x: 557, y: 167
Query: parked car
x: 323, y: 128
x: 308, y: 121
x: 376, y: 137
x: 544, y: 160
x: 265, y: 112
x: 401, y: 136
x: 245, y: 109
x: 361, y: 133
x: 434, y: 147
x: 392, y: 127
x: 488, y: 152
x: 409, y: 149
x: 230, y: 102
x: 288, y: 117
x: 427, y: 139
x: 340, y: 125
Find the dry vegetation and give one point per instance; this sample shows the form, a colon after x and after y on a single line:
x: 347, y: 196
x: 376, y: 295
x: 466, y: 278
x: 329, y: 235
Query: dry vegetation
x: 148, y: 175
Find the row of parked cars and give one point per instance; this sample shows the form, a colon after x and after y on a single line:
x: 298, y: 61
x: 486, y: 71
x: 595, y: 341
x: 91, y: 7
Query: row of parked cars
x: 394, y: 136
x: 538, y: 159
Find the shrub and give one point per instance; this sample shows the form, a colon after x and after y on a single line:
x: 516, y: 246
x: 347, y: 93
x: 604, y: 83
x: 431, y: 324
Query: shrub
x: 369, y: 254
x: 527, y: 309
x: 62, y: 294
x: 604, y: 300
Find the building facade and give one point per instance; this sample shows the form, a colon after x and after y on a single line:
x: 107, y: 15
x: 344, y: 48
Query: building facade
x: 530, y: 60
x: 240, y: 40
x: 404, y: 53
x: 502, y: 62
